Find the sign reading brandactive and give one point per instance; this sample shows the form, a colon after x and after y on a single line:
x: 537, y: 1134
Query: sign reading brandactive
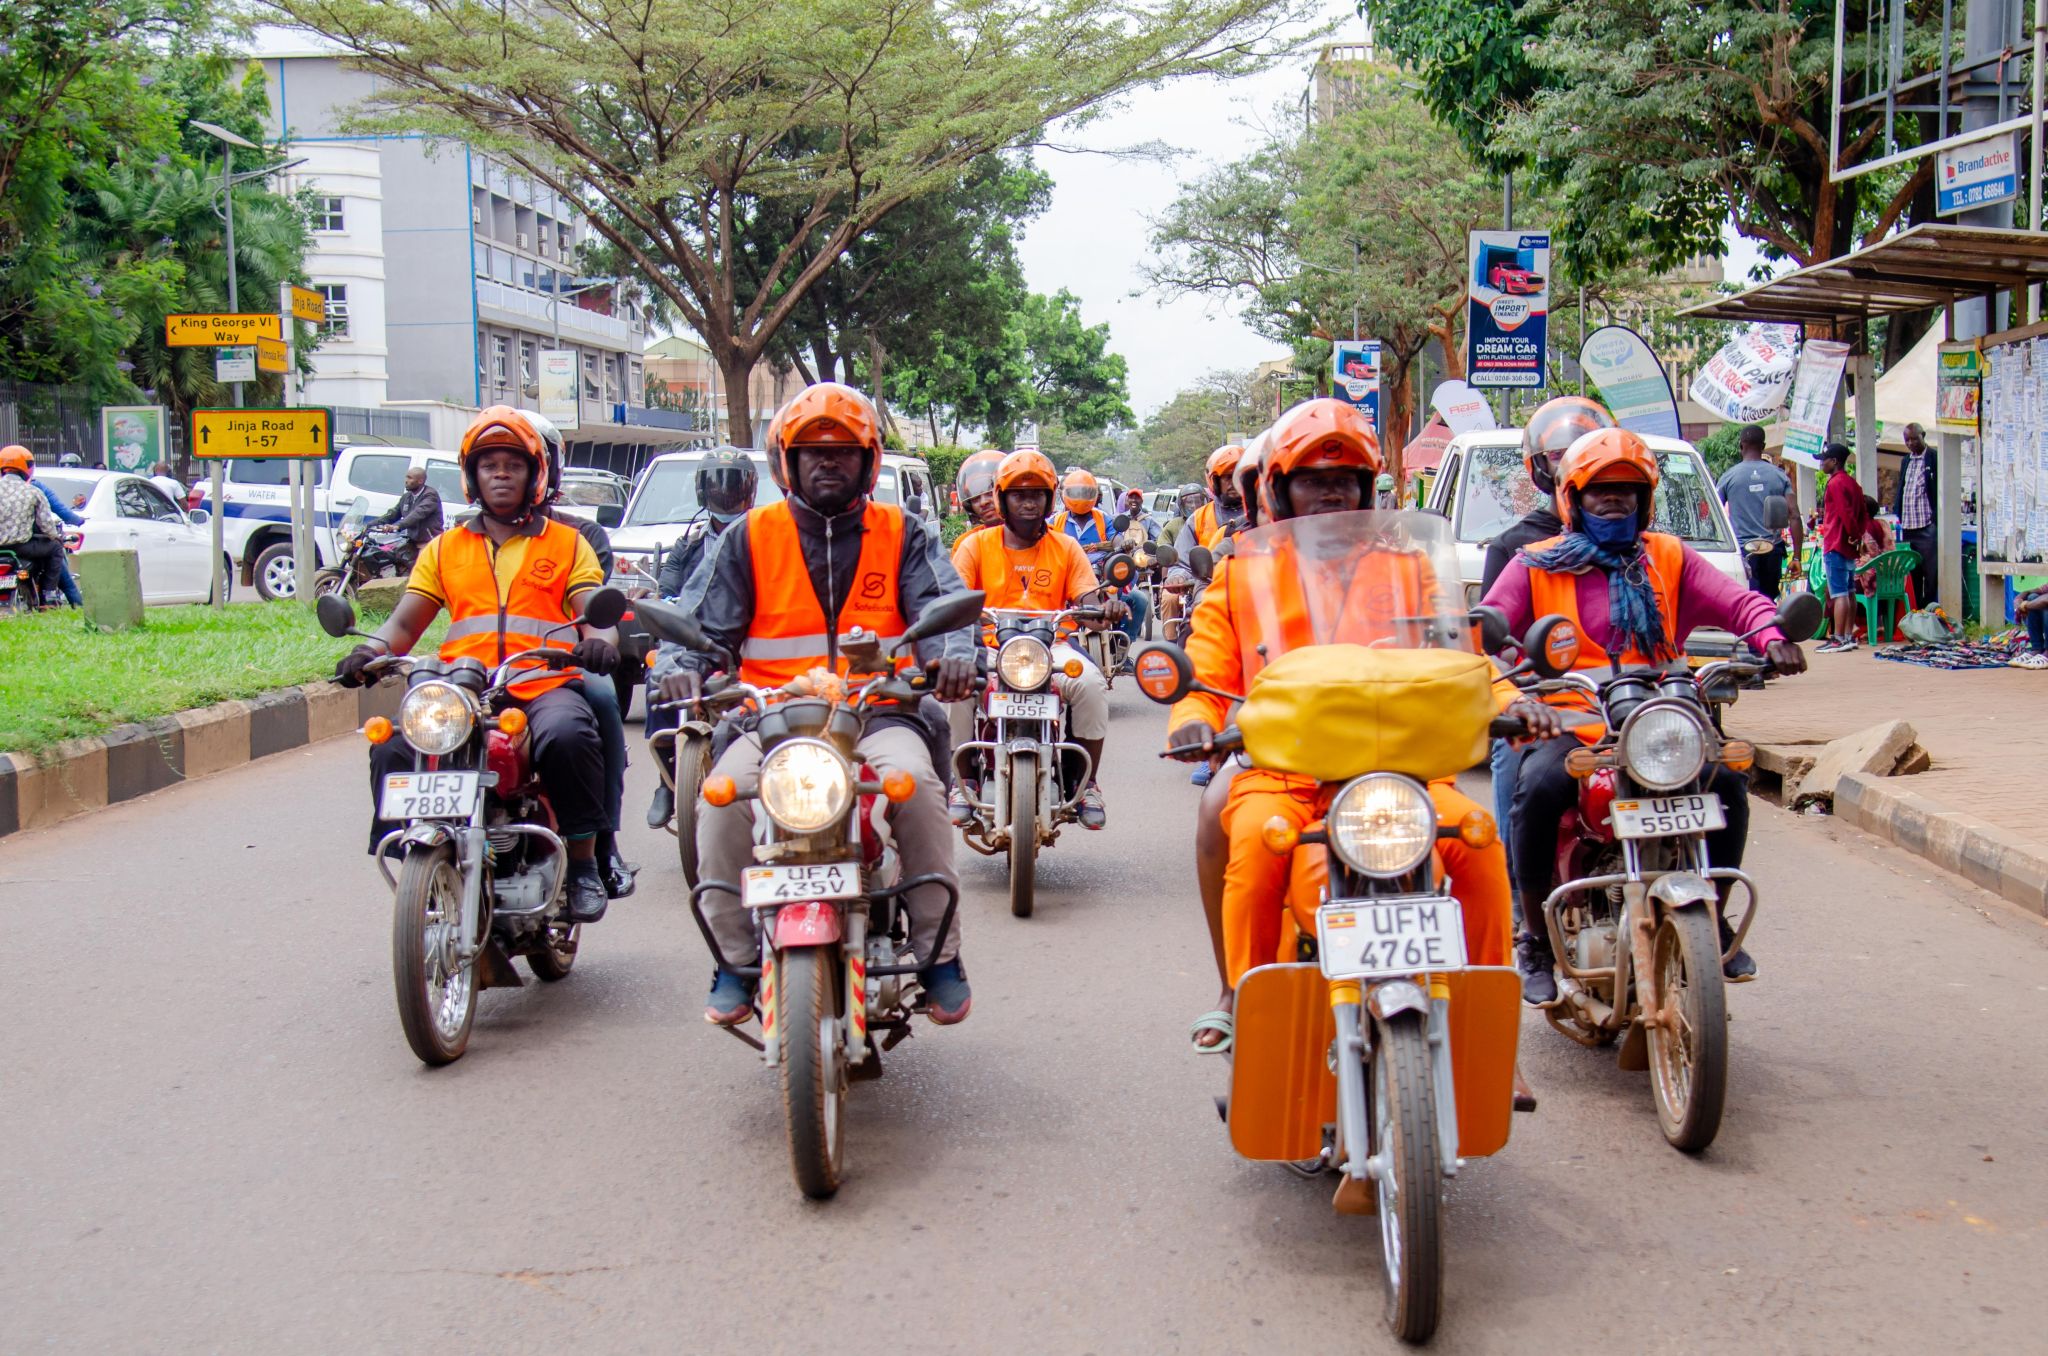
x: 1355, y: 376
x: 1508, y: 315
x: 1976, y: 175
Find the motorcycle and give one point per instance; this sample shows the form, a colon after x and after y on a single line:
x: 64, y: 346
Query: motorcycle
x: 1368, y: 1046
x: 1030, y: 774
x: 839, y: 970
x: 1150, y: 561
x: 481, y: 868
x: 366, y: 553
x: 1634, y: 924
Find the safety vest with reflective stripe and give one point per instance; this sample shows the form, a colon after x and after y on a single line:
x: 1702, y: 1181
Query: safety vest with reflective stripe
x: 489, y: 628
x: 1206, y: 525
x: 1557, y: 591
x: 789, y: 636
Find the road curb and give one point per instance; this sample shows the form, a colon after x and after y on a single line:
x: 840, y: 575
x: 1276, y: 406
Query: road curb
x: 82, y: 775
x: 1979, y: 851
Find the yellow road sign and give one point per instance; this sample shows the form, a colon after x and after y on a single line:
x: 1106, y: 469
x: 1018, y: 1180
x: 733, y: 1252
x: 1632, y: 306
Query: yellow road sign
x: 306, y: 434
x: 308, y: 305
x: 220, y: 331
x: 270, y: 355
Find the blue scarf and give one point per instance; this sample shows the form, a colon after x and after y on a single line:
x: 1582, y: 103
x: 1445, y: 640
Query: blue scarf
x: 1632, y: 612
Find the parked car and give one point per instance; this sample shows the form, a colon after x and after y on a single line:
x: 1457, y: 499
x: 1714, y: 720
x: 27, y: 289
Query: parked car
x: 125, y: 512
x: 1482, y: 488
x: 1514, y: 280
x: 589, y: 492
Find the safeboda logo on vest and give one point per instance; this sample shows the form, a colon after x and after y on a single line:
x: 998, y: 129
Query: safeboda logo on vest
x: 872, y: 585
x: 1509, y: 312
x: 542, y: 570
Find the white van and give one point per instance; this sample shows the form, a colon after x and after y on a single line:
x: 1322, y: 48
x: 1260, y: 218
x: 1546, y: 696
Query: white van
x: 1482, y: 488
x: 256, y: 514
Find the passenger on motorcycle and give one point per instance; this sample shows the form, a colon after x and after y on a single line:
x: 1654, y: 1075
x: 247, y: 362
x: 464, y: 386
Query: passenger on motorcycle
x: 506, y: 576
x: 1090, y: 529
x: 1322, y: 457
x: 784, y: 583
x: 1024, y: 565
x: 1633, y: 594
x: 726, y: 484
x: 975, y: 483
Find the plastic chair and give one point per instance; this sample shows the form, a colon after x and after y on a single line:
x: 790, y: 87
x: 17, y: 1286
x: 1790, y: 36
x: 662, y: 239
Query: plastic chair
x: 1887, y: 590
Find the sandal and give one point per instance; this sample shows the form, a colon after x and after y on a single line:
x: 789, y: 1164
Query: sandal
x: 1218, y: 1020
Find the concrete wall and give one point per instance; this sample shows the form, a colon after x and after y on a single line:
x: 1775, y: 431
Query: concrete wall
x: 427, y: 263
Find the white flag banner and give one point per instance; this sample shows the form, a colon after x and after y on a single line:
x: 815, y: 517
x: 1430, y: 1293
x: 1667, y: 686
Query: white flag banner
x: 1748, y: 380
x: 1464, y: 410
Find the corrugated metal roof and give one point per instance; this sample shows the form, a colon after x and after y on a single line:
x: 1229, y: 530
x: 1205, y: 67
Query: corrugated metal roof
x: 1930, y: 265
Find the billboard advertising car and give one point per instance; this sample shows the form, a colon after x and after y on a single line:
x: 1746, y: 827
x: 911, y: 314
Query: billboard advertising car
x: 1508, y: 312
x: 1355, y: 376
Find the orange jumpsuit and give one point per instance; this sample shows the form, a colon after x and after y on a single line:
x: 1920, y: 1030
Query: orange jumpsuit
x: 1257, y: 885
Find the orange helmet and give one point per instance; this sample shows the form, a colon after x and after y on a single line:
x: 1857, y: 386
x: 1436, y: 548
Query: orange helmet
x: 18, y: 459
x: 1607, y: 454
x: 1246, y: 474
x: 1079, y: 491
x: 1026, y: 471
x: 1553, y: 428
x: 1313, y: 436
x: 501, y: 426
x: 1221, y: 463
x: 828, y: 414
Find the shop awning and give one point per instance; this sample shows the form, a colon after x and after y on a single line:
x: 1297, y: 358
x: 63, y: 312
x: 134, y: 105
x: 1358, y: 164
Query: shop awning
x: 1930, y: 265
x: 1426, y: 452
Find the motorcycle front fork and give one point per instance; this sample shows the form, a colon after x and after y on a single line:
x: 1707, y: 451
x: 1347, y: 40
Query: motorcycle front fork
x: 1356, y: 1153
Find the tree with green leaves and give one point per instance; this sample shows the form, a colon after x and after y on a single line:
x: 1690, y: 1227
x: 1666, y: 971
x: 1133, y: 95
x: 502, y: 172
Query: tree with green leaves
x: 675, y: 121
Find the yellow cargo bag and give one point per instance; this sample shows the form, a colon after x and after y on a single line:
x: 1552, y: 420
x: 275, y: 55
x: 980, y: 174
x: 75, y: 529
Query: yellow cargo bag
x: 1334, y: 712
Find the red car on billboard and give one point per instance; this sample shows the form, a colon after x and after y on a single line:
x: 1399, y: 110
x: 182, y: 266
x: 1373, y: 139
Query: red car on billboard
x: 1514, y: 280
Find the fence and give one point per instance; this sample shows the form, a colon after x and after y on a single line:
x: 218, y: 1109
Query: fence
x: 49, y: 420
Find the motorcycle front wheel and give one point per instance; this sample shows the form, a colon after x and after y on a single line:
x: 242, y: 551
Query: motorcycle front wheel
x: 332, y: 581
x: 813, y: 1065
x: 1023, y: 833
x: 693, y: 764
x: 1689, y: 1054
x: 436, y: 994
x: 1411, y: 1191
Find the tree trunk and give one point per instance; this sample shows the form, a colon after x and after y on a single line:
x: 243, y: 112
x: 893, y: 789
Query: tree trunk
x: 1395, y: 409
x: 878, y: 361
x: 827, y: 362
x: 737, y: 371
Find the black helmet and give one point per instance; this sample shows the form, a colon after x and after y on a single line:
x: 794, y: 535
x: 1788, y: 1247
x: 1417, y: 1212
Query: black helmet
x: 725, y: 482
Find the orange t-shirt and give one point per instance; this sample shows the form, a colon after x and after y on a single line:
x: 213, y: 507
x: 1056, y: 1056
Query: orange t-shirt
x: 1049, y: 576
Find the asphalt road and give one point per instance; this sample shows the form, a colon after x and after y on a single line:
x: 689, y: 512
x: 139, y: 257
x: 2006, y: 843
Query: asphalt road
x: 212, y: 1136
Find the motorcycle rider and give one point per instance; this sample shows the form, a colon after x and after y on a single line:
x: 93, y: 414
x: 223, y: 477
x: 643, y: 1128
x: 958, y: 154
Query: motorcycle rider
x: 726, y: 485
x: 1023, y: 564
x: 1089, y: 527
x: 1224, y: 513
x: 1635, y: 594
x: 783, y: 584
x: 27, y: 526
x: 70, y: 517
x: 505, y: 576
x: 1321, y: 457
x: 416, y: 516
x: 975, y: 483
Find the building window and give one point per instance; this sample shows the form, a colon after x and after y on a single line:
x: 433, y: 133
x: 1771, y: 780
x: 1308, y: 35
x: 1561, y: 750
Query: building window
x: 562, y: 241
x: 336, y: 324
x: 526, y: 362
x: 500, y: 373
x: 327, y: 214
x: 590, y: 375
x: 482, y: 253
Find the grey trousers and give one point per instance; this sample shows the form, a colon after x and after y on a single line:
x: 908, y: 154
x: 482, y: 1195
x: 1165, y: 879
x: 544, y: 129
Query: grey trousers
x: 923, y: 834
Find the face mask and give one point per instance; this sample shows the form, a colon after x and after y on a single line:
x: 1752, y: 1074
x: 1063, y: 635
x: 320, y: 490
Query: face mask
x: 1610, y: 531
x: 721, y: 519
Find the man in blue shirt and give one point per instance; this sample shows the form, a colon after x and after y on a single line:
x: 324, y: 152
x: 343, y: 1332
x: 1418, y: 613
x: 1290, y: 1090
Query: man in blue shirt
x: 1746, y: 488
x: 1087, y: 525
x: 62, y: 564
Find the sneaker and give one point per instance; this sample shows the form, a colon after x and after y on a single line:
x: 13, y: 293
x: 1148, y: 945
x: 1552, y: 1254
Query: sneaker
x: 2030, y: 660
x: 959, y: 808
x: 1829, y: 646
x: 587, y: 897
x: 662, y: 808
x: 1093, y: 816
x: 1848, y: 643
x: 948, y: 998
x: 732, y: 999
x: 1739, y: 967
x: 1203, y: 772
x: 1538, y: 967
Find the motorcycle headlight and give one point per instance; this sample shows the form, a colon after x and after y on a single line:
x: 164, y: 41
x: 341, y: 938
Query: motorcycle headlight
x: 1663, y: 747
x: 1024, y: 663
x: 1382, y: 824
x: 805, y: 785
x: 436, y: 717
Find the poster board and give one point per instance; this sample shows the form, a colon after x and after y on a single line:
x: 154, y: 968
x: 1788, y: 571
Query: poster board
x: 2012, y: 479
x: 134, y: 437
x: 1355, y: 376
x: 1508, y: 308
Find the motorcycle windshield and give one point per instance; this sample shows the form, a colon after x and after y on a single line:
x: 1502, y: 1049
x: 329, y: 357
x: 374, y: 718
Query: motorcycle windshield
x: 1373, y: 577
x: 358, y: 513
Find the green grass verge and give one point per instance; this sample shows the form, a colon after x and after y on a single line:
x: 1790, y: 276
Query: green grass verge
x: 60, y: 680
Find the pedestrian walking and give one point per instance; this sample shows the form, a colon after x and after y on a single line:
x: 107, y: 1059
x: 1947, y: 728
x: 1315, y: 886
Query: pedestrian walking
x: 1747, y: 488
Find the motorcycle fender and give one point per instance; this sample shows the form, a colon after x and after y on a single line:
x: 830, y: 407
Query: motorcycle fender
x: 814, y: 924
x: 1681, y: 889
x: 426, y: 833
x: 1282, y: 1092
x: 1399, y: 995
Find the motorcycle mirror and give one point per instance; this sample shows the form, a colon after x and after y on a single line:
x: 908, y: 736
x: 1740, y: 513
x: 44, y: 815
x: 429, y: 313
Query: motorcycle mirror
x: 1163, y: 670
x: 604, y: 608
x: 1493, y: 628
x: 1122, y: 522
x: 1777, y: 513
x: 947, y: 612
x: 1799, y: 616
x: 610, y: 516
x: 337, y: 616
x: 1119, y: 569
x: 1164, y: 555
x: 669, y: 622
x: 1552, y: 646
x: 1201, y: 563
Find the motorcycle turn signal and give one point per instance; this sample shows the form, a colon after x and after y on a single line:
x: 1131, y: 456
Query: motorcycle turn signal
x: 377, y: 729
x: 512, y: 722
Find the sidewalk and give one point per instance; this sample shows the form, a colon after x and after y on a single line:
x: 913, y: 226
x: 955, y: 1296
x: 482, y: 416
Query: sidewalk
x: 1978, y: 810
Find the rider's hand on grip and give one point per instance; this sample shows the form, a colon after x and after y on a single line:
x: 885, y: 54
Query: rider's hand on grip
x: 1540, y: 721
x: 953, y: 678
x: 598, y: 656
x: 1785, y: 656
x: 1190, y: 740
x: 349, y: 672
x: 684, y: 686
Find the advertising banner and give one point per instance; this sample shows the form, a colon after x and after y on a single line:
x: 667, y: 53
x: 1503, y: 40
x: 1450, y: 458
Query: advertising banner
x: 1750, y: 377
x: 557, y: 379
x: 1630, y: 380
x: 134, y: 437
x: 1959, y: 388
x: 1507, y: 316
x: 1811, y: 407
x: 1464, y: 410
x: 1355, y: 376
x: 1976, y: 175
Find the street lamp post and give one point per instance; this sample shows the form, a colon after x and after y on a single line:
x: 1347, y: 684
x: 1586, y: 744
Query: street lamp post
x: 228, y: 141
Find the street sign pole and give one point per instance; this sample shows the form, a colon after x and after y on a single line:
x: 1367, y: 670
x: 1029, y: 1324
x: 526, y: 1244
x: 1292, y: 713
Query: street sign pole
x: 301, y: 509
x: 217, y: 490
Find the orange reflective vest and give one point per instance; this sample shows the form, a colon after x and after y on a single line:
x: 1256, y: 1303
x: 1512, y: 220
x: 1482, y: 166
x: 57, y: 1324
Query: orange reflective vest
x: 790, y: 635
x: 1059, y: 525
x: 1555, y: 591
x: 1206, y: 526
x: 490, y: 629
